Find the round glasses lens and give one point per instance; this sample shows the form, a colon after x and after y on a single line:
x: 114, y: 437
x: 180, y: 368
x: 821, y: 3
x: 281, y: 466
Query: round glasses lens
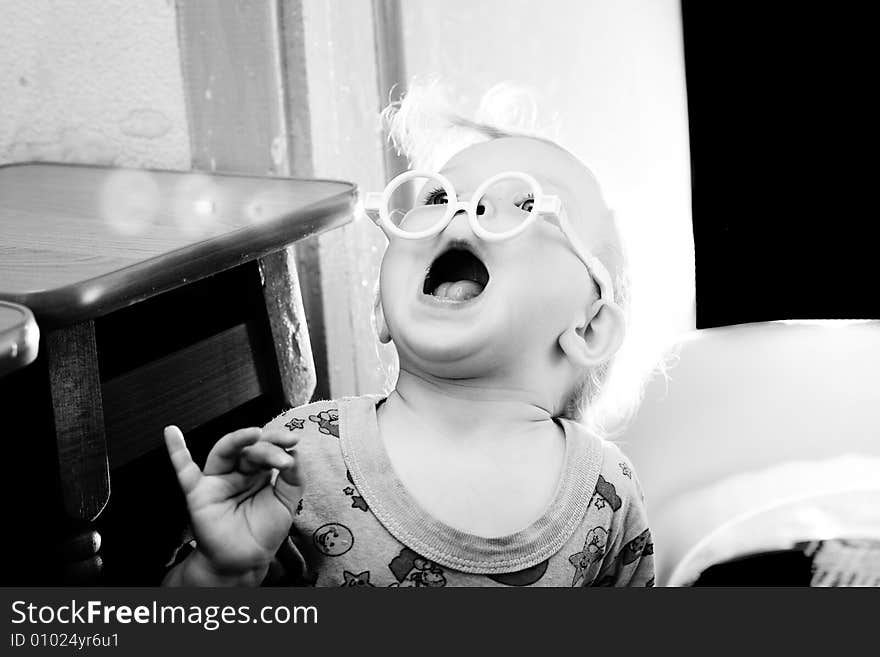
x: 418, y: 204
x: 505, y: 205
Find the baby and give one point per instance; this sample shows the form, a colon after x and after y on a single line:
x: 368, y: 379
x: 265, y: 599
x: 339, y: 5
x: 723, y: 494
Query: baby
x: 495, y: 290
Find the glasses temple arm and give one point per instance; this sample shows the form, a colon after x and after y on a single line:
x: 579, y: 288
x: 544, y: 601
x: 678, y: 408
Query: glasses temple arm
x: 372, y: 203
x: 597, y: 270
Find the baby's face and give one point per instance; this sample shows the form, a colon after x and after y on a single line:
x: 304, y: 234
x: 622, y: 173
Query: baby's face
x: 457, y: 306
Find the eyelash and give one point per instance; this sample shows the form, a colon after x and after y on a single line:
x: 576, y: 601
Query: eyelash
x: 431, y: 195
x: 529, y: 197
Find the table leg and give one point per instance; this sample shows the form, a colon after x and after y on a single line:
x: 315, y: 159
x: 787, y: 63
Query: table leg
x: 82, y: 449
x: 284, y: 306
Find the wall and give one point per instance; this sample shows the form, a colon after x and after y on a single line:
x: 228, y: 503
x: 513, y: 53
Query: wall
x: 92, y: 81
x: 346, y: 139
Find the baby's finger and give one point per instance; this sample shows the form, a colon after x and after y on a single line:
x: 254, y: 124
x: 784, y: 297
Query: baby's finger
x: 289, y: 486
x: 188, y: 473
x: 263, y: 456
x: 224, y: 455
x: 280, y: 437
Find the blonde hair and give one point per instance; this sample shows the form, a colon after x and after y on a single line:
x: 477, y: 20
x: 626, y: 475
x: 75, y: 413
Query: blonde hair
x: 428, y: 130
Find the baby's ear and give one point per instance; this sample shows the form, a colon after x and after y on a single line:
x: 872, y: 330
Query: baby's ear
x: 595, y: 343
x: 379, y: 321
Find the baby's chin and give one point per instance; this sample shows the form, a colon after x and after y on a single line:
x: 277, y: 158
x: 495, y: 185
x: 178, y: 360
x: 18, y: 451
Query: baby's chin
x: 451, y: 359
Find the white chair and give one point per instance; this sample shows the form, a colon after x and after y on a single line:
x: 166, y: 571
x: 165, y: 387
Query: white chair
x: 743, y: 407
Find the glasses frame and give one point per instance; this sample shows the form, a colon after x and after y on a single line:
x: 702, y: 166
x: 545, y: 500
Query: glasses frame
x: 546, y: 206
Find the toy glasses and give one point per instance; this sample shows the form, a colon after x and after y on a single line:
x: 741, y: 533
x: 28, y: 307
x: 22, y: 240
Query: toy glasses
x: 430, y: 215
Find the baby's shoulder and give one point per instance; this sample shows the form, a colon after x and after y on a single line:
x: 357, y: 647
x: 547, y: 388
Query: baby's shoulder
x: 616, y: 514
x: 320, y: 417
x: 618, y: 474
x: 316, y: 426
x: 616, y: 481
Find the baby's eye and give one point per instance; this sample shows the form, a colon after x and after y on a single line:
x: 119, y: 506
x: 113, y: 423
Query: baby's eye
x: 436, y: 197
x: 527, y: 204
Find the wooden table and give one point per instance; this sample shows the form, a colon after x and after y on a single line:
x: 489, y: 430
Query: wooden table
x: 163, y: 297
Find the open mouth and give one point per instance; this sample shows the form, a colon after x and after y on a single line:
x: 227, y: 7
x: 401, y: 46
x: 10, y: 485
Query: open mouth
x: 456, y: 275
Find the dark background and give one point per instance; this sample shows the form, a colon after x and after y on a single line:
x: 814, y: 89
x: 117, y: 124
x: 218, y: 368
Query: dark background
x: 782, y: 162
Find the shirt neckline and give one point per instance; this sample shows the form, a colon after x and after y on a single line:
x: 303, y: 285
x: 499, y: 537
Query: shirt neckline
x: 371, y: 470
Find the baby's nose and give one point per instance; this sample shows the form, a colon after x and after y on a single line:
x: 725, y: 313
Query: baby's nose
x: 459, y: 220
x: 484, y: 206
x: 459, y: 226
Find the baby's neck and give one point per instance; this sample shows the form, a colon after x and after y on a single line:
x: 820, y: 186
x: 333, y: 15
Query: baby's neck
x: 483, y: 459
x: 467, y: 409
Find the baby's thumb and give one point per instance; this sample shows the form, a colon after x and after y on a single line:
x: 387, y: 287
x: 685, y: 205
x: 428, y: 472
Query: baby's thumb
x: 289, y: 485
x: 188, y: 473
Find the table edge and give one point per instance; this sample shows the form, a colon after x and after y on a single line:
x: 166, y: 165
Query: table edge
x: 123, y: 287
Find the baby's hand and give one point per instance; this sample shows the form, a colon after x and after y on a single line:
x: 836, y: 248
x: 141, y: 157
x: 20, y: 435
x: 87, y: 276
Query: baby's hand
x: 238, y: 517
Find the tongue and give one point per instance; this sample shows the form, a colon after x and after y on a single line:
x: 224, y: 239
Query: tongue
x: 458, y: 290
